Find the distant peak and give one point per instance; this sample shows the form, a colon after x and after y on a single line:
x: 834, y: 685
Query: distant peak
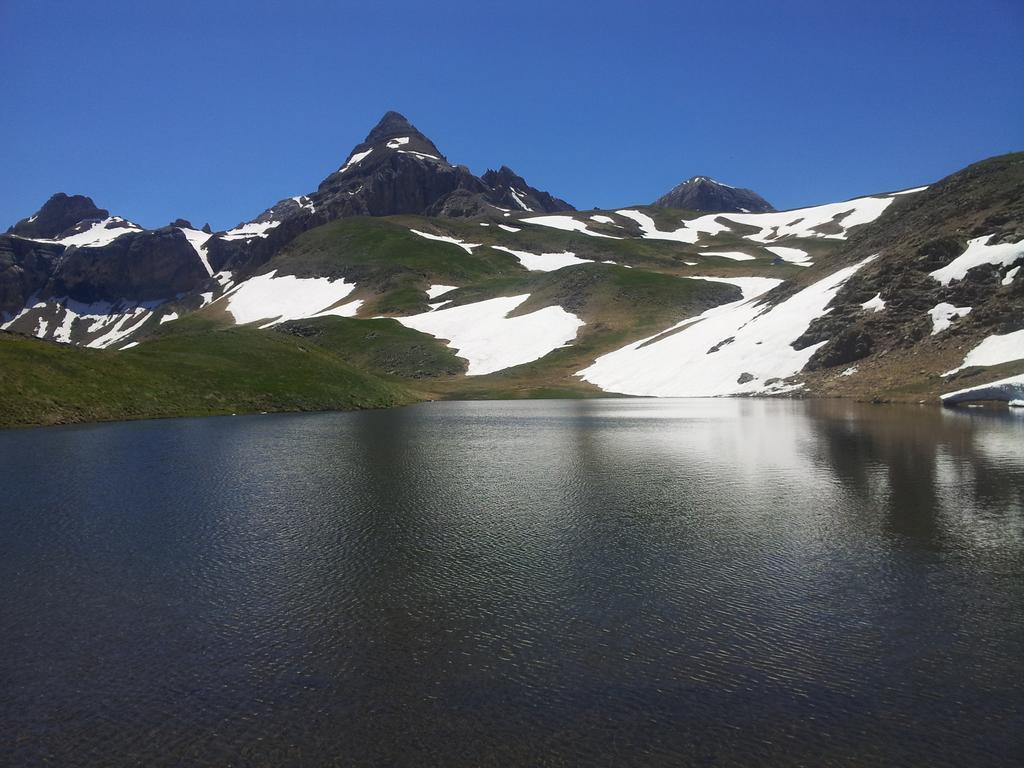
x: 703, y: 193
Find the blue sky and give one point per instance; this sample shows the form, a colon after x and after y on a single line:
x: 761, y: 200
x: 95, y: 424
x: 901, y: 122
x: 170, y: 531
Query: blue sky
x: 212, y: 110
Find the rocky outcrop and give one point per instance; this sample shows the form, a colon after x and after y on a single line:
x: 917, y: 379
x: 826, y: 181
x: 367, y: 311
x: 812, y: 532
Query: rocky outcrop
x: 883, y: 319
x: 138, y: 266
x: 701, y: 193
x: 507, y: 189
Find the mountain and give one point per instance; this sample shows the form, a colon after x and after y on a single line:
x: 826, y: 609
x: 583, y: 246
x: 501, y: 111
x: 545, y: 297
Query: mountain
x: 913, y: 295
x: 701, y: 193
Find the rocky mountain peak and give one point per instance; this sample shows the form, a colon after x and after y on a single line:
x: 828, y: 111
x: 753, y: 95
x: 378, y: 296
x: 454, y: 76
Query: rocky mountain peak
x: 702, y: 193
x: 391, y: 125
x: 393, y: 135
x: 58, y: 214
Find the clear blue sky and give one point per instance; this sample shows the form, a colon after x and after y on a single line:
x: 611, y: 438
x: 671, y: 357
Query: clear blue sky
x: 212, y: 110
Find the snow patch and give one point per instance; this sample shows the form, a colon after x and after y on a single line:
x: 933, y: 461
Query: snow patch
x: 730, y: 349
x: 944, y: 314
x: 649, y: 230
x: 544, y: 262
x: 877, y: 304
x: 519, y: 200
x: 356, y: 158
x: 734, y: 255
x: 277, y: 299
x: 802, y: 222
x: 60, y: 319
x: 304, y: 202
x: 249, y: 231
x: 98, y: 234
x: 792, y: 255
x: 436, y: 290
x: 418, y: 154
x: 197, y: 239
x: 566, y: 223
x: 400, y: 142
x: 125, y: 325
x: 994, y: 350
x: 168, y: 317
x: 977, y: 254
x: 467, y: 247
x: 507, y: 228
x: 489, y: 340
x: 1009, y: 276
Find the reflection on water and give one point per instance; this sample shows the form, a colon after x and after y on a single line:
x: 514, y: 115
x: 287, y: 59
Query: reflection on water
x: 608, y: 582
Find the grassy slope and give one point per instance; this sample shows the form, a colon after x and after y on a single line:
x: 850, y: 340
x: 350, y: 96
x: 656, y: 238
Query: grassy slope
x: 199, y: 373
x: 393, y: 267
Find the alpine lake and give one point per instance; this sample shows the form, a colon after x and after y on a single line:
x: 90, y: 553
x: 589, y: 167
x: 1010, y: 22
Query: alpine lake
x: 612, y: 582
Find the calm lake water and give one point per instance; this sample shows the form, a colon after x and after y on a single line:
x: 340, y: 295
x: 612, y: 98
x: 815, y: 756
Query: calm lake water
x: 605, y: 582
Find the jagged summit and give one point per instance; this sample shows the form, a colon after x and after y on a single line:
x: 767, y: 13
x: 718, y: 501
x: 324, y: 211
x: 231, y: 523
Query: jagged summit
x: 510, y: 190
x: 702, y: 193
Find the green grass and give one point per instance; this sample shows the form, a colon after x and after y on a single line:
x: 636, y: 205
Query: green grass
x: 212, y: 372
x: 384, y: 346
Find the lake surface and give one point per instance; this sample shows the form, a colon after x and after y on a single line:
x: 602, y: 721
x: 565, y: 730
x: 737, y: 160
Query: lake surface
x: 604, y: 582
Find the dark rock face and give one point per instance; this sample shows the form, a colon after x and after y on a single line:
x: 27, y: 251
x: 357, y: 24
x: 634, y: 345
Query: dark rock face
x: 25, y: 268
x: 703, y: 194
x: 138, y: 266
x: 58, y: 214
